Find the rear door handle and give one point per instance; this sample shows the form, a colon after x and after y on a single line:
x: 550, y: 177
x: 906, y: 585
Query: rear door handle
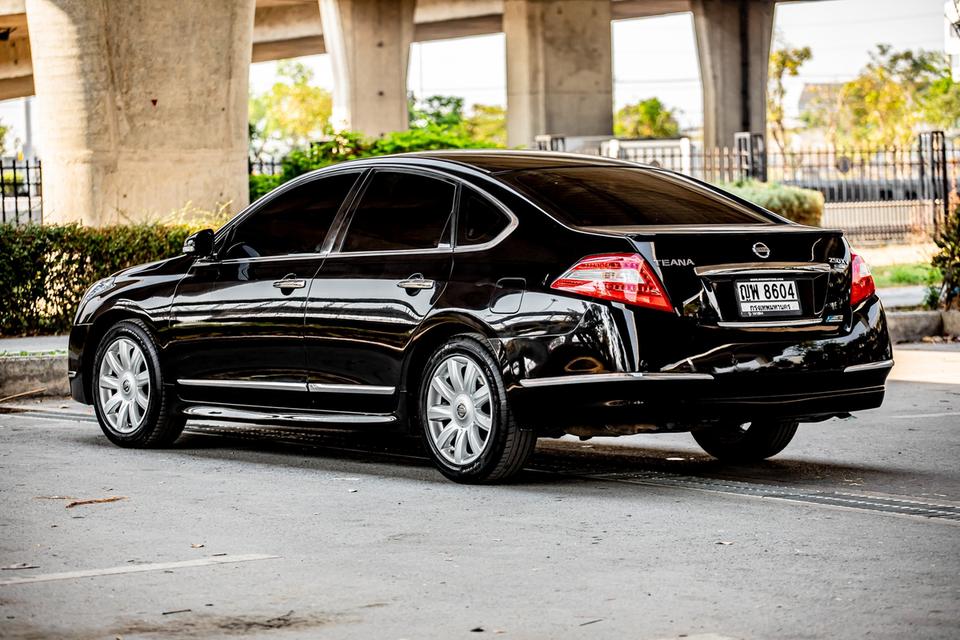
x: 290, y: 283
x: 416, y: 282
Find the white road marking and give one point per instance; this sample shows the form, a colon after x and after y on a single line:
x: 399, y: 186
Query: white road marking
x: 135, y: 568
x: 944, y: 414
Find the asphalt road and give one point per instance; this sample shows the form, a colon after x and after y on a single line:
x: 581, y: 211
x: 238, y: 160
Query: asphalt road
x: 852, y: 532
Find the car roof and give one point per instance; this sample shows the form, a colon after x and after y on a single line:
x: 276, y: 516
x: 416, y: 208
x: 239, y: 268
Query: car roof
x: 501, y: 160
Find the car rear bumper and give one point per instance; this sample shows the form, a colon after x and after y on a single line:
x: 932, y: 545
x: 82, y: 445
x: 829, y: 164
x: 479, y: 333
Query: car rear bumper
x: 807, y: 378
x: 652, y: 402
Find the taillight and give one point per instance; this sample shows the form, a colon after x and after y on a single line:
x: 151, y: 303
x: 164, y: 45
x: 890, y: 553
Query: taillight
x: 861, y: 284
x: 620, y: 277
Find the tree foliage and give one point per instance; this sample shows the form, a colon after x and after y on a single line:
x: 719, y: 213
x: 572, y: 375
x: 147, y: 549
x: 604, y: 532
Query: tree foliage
x: 292, y: 113
x: 648, y: 118
x: 486, y: 123
x: 784, y: 62
x: 898, y: 94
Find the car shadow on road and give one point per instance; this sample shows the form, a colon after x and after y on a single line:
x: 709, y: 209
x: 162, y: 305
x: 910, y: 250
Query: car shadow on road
x: 389, y: 454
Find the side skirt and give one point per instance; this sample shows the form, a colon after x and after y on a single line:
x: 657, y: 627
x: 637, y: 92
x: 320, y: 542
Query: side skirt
x: 267, y: 416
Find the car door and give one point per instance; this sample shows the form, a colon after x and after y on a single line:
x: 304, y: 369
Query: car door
x: 391, y: 261
x: 237, y: 316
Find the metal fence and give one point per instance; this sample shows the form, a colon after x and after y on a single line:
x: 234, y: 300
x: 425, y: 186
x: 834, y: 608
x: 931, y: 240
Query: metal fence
x: 21, y: 200
x: 260, y: 166
x: 873, y: 194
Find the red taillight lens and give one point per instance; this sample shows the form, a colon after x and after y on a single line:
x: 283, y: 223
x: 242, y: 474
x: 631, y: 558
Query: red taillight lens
x: 620, y: 277
x: 861, y: 284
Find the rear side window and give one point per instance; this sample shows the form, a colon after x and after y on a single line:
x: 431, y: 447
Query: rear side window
x: 617, y: 197
x: 478, y: 219
x: 296, y: 221
x: 401, y: 211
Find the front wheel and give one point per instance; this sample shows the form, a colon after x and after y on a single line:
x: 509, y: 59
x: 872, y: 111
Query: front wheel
x: 133, y: 406
x: 748, y: 442
x: 467, y: 425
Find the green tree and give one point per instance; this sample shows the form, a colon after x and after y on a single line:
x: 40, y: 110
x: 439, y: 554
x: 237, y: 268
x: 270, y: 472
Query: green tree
x: 784, y: 62
x: 898, y: 94
x: 487, y: 122
x: 4, y: 129
x: 648, y: 118
x: 292, y: 112
x: 445, y: 112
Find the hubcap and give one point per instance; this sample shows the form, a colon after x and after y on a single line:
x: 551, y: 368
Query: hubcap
x: 459, y: 411
x: 124, y: 386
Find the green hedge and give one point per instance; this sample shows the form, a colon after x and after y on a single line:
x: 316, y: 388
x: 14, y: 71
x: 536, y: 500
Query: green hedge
x: 804, y: 206
x: 44, y: 270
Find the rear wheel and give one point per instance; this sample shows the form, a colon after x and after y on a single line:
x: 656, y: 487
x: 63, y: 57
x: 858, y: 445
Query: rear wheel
x: 748, y: 442
x: 133, y: 407
x: 467, y: 425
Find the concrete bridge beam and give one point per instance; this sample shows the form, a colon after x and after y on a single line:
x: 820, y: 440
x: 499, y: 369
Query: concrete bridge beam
x: 369, y: 44
x: 142, y: 105
x: 559, y: 68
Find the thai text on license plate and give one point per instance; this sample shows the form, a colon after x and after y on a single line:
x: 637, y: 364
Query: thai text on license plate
x: 758, y: 298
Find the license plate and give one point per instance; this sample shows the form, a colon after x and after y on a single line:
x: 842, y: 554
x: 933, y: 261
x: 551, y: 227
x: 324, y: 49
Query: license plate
x: 763, y: 298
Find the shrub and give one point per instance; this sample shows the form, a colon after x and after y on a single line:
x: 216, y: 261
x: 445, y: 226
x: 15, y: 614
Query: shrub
x: 44, y: 270
x: 804, y: 206
x: 947, y: 260
x: 261, y: 185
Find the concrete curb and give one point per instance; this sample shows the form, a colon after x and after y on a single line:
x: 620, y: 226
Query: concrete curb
x: 21, y: 374
x: 913, y: 326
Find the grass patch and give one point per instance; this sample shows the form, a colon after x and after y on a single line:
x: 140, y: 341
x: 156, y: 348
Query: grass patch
x: 901, y: 275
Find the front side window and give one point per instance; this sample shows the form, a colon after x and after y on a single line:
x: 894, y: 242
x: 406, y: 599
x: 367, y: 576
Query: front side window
x: 624, y: 196
x: 296, y: 221
x: 478, y: 219
x: 401, y: 211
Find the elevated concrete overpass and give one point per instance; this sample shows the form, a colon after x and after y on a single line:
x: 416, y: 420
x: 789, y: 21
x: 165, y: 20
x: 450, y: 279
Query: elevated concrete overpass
x: 141, y: 104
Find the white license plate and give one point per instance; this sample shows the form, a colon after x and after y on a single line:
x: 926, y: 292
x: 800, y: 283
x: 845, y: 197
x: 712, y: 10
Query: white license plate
x: 760, y: 298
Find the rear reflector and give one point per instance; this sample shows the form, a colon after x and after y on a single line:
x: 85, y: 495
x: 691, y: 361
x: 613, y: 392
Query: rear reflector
x: 861, y: 282
x: 620, y: 277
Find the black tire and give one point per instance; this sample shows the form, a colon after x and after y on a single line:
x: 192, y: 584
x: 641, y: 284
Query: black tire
x: 506, y: 448
x: 750, y: 442
x: 160, y: 425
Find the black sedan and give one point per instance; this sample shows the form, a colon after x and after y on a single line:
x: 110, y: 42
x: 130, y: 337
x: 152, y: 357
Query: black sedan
x: 485, y: 299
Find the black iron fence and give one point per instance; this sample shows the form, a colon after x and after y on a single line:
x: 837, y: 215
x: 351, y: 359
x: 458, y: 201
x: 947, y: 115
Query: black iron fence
x: 260, y: 166
x: 881, y: 194
x: 21, y: 193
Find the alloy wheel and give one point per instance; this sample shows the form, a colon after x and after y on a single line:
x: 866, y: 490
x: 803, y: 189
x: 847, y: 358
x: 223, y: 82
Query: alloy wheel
x: 124, y: 386
x: 459, y: 410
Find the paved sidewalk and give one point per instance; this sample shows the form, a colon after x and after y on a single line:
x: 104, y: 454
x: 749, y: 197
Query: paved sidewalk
x: 33, y: 344
x: 899, y: 297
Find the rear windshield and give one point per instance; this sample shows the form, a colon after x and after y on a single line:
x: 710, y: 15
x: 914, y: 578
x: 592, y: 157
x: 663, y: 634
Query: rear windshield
x: 627, y: 197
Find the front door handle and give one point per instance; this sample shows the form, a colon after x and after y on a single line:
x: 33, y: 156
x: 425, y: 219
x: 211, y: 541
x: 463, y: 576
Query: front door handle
x: 290, y: 283
x: 416, y: 282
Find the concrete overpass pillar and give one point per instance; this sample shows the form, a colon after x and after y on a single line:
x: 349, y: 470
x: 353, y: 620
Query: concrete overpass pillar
x: 733, y: 41
x: 141, y: 106
x: 559, y: 68
x: 369, y: 44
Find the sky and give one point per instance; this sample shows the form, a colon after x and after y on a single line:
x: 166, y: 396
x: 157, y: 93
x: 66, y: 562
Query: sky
x: 654, y: 56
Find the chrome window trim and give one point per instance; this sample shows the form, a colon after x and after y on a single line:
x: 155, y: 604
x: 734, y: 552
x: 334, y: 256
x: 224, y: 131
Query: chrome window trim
x: 368, y: 389
x: 393, y: 252
x: 244, y: 384
x: 512, y: 222
x: 869, y: 366
x: 612, y: 377
x: 343, y: 229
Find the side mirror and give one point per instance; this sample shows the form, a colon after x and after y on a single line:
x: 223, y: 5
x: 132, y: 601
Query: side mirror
x: 200, y: 244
